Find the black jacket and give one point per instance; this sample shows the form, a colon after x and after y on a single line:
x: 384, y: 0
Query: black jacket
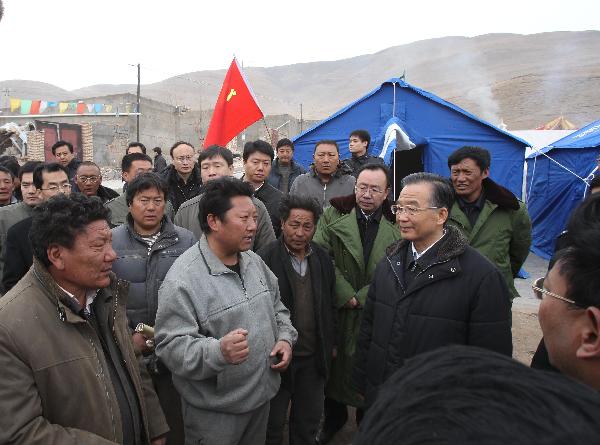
x: 178, y: 191
x: 275, y: 175
x: 322, y: 276
x: 72, y: 168
x: 18, y: 256
x: 353, y: 164
x: 461, y: 298
x: 159, y: 163
x: 104, y: 193
x: 271, y: 198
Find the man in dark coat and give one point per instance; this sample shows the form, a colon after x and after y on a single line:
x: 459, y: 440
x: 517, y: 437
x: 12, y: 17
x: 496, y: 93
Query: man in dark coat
x: 65, y: 156
x: 88, y: 181
x: 183, y: 175
x: 432, y: 289
x: 284, y: 170
x: 160, y: 162
x: 358, y: 145
x: 306, y: 279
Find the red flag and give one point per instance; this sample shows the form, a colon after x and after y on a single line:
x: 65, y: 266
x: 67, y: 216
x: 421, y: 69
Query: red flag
x: 80, y: 108
x: 35, y: 107
x: 235, y: 110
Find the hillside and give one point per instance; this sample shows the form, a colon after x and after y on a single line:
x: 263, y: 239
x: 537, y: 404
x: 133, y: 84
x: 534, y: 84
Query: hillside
x: 525, y: 80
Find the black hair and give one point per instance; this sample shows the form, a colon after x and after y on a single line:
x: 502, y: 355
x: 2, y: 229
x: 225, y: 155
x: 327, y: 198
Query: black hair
x: 579, y: 263
x: 50, y: 167
x: 62, y: 144
x: 374, y: 167
x: 28, y: 167
x: 443, y: 193
x: 327, y: 142
x: 144, y: 182
x: 3, y: 169
x: 157, y: 150
x: 290, y: 202
x: 216, y: 198
x: 177, y: 144
x: 128, y: 160
x: 464, y: 395
x: 213, y: 151
x: 363, y: 135
x: 285, y: 142
x: 88, y: 164
x: 60, y: 219
x: 11, y: 163
x: 595, y: 182
x: 257, y: 146
x: 135, y: 144
x: 480, y: 155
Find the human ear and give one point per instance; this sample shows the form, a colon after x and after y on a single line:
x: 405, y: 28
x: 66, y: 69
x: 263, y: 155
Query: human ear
x: 589, y: 346
x: 54, y: 253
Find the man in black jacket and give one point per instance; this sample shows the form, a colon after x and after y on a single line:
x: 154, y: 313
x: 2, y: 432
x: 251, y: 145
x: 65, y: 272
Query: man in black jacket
x: 431, y: 290
x: 65, y: 156
x: 306, y: 280
x: 284, y: 170
x: 88, y: 181
x: 183, y: 175
x: 358, y: 144
x: 160, y: 162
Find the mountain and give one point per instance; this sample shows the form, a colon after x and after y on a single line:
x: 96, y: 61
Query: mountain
x: 526, y: 80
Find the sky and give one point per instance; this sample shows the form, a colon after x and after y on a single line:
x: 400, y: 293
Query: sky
x: 104, y: 39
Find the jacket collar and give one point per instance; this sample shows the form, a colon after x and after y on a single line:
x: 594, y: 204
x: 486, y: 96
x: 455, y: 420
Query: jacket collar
x: 337, y: 174
x: 174, y: 178
x: 167, y: 229
x: 450, y: 246
x: 499, y: 195
x: 276, y: 166
x: 214, y: 264
x: 345, y: 204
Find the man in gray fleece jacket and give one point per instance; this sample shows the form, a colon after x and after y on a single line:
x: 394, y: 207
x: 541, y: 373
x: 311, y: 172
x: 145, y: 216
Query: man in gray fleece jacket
x: 221, y: 327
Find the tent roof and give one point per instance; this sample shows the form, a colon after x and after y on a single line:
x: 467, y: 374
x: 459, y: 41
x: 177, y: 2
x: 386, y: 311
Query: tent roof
x: 560, y: 123
x: 402, y: 84
x: 587, y: 137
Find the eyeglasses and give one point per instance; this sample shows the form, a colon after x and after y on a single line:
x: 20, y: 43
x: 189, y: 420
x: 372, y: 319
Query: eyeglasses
x: 184, y: 158
x: 364, y: 188
x: 410, y: 210
x: 63, y: 187
x: 145, y: 202
x: 539, y: 292
x: 86, y: 179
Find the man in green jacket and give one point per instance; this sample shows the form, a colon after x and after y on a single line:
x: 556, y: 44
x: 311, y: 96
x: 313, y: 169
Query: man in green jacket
x: 494, y: 221
x: 355, y: 230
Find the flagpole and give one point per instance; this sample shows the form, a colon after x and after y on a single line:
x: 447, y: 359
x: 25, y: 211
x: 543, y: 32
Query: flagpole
x: 269, y: 135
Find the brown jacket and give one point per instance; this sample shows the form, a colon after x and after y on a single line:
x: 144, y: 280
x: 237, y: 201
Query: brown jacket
x: 55, y: 386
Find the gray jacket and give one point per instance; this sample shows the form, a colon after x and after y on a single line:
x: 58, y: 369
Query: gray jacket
x: 119, y: 210
x: 200, y: 301
x: 146, y: 269
x: 187, y: 216
x: 9, y: 216
x: 309, y: 184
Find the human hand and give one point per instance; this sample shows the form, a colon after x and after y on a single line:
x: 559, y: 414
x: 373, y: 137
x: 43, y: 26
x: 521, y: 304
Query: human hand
x: 139, y: 344
x: 160, y: 441
x: 234, y: 346
x: 352, y: 303
x: 282, y: 349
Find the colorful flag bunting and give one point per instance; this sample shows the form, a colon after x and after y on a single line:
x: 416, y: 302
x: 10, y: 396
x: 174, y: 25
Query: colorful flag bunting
x: 25, y: 106
x: 35, y: 106
x: 15, y: 104
x: 90, y: 108
x: 52, y: 104
x: 97, y: 108
x: 43, y: 106
x: 109, y: 108
x: 62, y: 107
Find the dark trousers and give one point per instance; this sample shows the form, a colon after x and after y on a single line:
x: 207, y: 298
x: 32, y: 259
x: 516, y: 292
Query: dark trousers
x: 170, y: 402
x: 307, y: 405
x: 336, y: 415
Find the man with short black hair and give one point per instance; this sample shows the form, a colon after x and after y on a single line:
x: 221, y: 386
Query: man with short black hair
x: 7, y: 187
x: 284, y: 169
x: 216, y: 162
x: 183, y: 175
x: 221, y: 327
x: 88, y: 181
x: 490, y: 216
x: 160, y: 162
x: 135, y: 147
x: 65, y: 156
x: 258, y: 156
x: 326, y: 179
x: 146, y: 247
x: 431, y: 289
x: 306, y: 280
x: 70, y: 374
x: 49, y: 180
x: 358, y: 144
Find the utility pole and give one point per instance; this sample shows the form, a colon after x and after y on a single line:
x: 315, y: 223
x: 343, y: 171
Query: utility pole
x: 138, y: 105
x: 6, y: 93
x: 301, y: 120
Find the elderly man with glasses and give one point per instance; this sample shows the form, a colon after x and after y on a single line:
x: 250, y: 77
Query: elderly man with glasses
x: 49, y: 180
x: 183, y: 175
x: 88, y: 181
x: 431, y: 289
x: 355, y: 230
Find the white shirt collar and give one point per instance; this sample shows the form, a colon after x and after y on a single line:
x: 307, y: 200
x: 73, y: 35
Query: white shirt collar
x: 417, y: 255
x: 89, y: 296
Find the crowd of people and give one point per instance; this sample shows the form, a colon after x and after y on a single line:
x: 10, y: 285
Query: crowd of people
x: 198, y: 308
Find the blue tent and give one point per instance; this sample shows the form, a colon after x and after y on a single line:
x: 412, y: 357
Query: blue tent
x: 556, y: 183
x: 397, y: 114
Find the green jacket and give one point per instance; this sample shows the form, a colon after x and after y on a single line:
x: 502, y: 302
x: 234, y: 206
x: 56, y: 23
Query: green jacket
x: 338, y: 233
x: 502, y: 232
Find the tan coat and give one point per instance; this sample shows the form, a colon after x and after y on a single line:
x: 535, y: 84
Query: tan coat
x: 55, y: 386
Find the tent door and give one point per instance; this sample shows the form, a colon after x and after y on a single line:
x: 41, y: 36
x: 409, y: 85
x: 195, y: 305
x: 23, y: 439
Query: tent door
x: 406, y: 162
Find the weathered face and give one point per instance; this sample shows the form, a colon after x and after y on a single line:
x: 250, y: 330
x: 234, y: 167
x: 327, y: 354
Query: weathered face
x: 88, y: 179
x: 147, y: 209
x: 326, y: 159
x: 28, y: 190
x: 467, y: 179
x: 298, y: 230
x: 215, y: 168
x: 87, y: 264
x: 257, y: 167
x: 7, y: 186
x: 63, y: 155
x: 357, y: 146
x: 183, y: 159
x: 426, y: 224
x: 285, y: 154
x: 53, y: 184
x: 236, y: 230
x: 137, y: 168
x: 371, y: 190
